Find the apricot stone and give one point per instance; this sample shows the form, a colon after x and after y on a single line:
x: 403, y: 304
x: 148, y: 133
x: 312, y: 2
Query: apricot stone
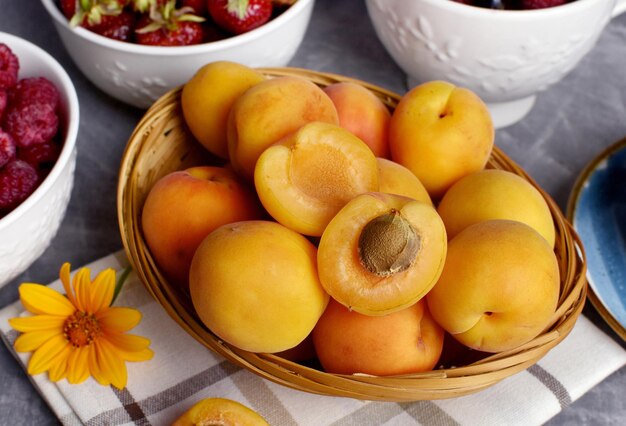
x: 268, y: 112
x: 307, y: 177
x: 381, y: 253
x: 255, y: 285
x: 404, y: 342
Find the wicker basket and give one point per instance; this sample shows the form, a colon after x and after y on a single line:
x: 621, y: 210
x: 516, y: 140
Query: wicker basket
x: 161, y: 143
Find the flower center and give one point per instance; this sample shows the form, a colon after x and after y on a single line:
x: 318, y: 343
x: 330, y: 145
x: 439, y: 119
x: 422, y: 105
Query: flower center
x: 80, y: 329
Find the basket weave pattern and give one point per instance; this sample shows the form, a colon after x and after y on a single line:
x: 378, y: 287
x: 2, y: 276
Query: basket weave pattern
x: 161, y: 143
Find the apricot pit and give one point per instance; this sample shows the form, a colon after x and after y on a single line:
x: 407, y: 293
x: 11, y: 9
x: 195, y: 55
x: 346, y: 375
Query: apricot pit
x: 381, y: 253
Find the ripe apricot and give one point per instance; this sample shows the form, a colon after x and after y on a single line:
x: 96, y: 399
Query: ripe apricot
x: 270, y: 111
x: 381, y: 253
x: 255, y: 285
x: 404, y: 342
x: 222, y: 412
x: 495, y: 194
x: 362, y: 113
x: 207, y: 97
x: 394, y: 178
x: 499, y: 287
x: 441, y: 133
x: 184, y: 206
x: 305, y: 179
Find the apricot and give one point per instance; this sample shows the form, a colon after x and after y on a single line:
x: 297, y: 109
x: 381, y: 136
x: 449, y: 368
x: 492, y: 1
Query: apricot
x: 222, y: 412
x: 404, y: 342
x: 207, y: 97
x: 499, y: 287
x: 394, y: 178
x: 184, y: 206
x: 381, y: 253
x: 269, y: 111
x: 304, y: 179
x: 495, y: 194
x: 441, y: 133
x: 362, y: 113
x: 255, y: 285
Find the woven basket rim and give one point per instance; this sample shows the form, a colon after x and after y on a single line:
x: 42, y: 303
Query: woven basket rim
x: 164, y: 116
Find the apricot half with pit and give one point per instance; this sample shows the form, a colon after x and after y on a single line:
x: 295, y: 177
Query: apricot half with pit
x: 306, y: 178
x: 382, y: 253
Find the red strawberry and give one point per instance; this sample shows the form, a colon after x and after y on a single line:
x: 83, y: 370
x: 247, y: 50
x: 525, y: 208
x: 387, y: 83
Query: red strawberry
x: 108, y: 18
x: 240, y: 16
x: 167, y: 26
x: 541, y: 4
x: 199, y: 6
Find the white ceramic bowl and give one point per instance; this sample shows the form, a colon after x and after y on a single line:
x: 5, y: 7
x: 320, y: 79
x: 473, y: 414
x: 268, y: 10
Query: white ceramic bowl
x: 139, y: 75
x: 504, y: 56
x: 27, y: 230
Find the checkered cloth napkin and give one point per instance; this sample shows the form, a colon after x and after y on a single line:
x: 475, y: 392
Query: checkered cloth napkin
x: 183, y: 371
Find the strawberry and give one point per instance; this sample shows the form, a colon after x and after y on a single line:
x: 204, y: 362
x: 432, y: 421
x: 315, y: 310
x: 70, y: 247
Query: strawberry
x: 541, y: 4
x: 108, y: 18
x: 167, y: 26
x: 240, y: 16
x: 199, y: 6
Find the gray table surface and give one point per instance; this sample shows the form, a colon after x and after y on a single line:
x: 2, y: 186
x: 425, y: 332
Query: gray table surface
x: 571, y: 122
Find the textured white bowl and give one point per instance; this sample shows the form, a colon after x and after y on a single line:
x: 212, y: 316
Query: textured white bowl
x: 27, y: 231
x: 505, y: 56
x: 139, y: 75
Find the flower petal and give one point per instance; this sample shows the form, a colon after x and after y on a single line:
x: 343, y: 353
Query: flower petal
x: 78, y: 365
x: 59, y: 367
x: 102, y: 290
x: 130, y: 347
x: 44, y: 357
x: 38, y: 323
x: 40, y: 299
x: 119, y: 319
x: 94, y: 367
x: 82, y: 284
x: 29, y: 342
x: 111, y: 365
x: 64, y: 274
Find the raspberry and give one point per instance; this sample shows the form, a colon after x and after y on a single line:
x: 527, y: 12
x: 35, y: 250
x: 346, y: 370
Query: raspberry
x: 31, y: 123
x: 541, y: 4
x: 3, y: 103
x: 18, y: 180
x: 42, y: 156
x: 9, y: 67
x: 7, y: 148
x: 34, y: 90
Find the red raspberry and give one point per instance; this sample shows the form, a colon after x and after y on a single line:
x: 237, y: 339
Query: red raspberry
x: 9, y: 67
x: 7, y: 148
x: 34, y: 90
x: 42, y: 156
x: 3, y: 103
x: 541, y: 4
x: 31, y: 123
x: 18, y: 180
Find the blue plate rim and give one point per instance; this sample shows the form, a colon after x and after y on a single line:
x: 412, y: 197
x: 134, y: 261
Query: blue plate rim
x: 583, y: 177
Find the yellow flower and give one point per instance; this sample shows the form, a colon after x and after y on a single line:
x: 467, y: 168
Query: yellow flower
x: 80, y: 334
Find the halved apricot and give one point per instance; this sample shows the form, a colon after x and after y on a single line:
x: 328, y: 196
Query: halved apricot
x: 220, y: 411
x: 382, y: 253
x: 307, y: 177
